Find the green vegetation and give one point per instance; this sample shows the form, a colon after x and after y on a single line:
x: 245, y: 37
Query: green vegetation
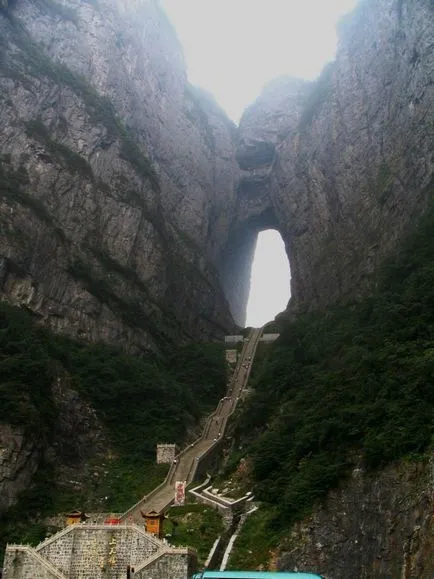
x: 73, y: 162
x: 26, y: 374
x: 262, y: 350
x: 112, y: 485
x: 195, y: 526
x: 254, y: 545
x: 188, y: 363
x: 351, y: 383
x: 273, y: 327
x: 141, y: 401
x: 21, y: 524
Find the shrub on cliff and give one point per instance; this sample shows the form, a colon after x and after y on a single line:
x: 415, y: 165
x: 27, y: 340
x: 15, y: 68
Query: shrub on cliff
x: 355, y: 380
x: 141, y: 400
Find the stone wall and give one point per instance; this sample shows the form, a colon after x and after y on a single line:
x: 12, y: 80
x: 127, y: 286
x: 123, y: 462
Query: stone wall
x: 209, y: 460
x: 23, y: 562
x: 268, y: 337
x: 98, y: 552
x: 169, y: 566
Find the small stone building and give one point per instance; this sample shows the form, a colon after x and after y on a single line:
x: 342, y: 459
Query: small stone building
x: 234, y: 339
x: 166, y: 453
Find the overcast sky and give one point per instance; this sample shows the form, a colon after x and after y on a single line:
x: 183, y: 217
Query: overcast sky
x: 232, y: 48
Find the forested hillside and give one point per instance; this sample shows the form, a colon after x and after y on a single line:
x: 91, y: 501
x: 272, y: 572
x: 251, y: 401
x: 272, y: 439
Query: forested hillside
x: 352, y: 385
x: 139, y: 400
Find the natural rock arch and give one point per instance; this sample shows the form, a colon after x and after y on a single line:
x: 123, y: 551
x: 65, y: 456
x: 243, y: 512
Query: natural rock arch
x: 238, y: 258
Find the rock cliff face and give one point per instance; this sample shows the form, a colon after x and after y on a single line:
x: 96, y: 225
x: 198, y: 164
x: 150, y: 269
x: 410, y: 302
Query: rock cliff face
x: 375, y: 526
x: 19, y: 461
x: 129, y: 199
x: 130, y: 204
x: 78, y: 437
x: 116, y: 175
x: 263, y: 127
x: 342, y: 166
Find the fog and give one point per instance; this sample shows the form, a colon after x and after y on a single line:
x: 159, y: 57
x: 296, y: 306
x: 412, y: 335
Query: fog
x: 232, y: 48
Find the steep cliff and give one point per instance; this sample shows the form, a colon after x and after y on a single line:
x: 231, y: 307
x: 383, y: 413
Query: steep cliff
x: 342, y: 166
x: 130, y: 205
x: 375, y: 526
x: 116, y: 175
x: 339, y: 430
x: 130, y: 199
x: 78, y: 436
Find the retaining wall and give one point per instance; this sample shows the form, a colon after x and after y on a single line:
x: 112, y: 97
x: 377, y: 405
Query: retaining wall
x: 98, y: 552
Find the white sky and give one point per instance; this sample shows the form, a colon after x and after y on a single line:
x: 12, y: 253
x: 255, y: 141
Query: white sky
x: 232, y: 48
x: 269, y: 291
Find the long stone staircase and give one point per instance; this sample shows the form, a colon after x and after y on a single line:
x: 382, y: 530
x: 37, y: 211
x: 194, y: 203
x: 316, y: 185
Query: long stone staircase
x: 189, y: 460
x: 98, y: 551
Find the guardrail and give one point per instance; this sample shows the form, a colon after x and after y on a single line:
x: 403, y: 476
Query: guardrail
x: 39, y: 559
x: 54, y: 538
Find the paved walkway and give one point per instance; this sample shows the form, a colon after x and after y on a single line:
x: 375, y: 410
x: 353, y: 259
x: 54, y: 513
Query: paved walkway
x: 188, y: 460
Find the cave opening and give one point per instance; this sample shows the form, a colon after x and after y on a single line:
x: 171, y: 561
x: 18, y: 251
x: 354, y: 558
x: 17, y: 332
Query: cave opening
x: 269, y: 279
x: 266, y: 286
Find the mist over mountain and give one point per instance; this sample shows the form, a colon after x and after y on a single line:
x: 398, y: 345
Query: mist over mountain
x: 130, y: 204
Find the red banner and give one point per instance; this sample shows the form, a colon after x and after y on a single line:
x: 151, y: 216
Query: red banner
x: 179, y: 493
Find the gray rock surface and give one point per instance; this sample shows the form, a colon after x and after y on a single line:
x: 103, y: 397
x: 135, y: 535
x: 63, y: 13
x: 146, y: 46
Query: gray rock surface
x: 353, y: 154
x: 19, y: 460
x: 127, y: 170
x: 78, y: 438
x: 374, y: 526
x: 121, y: 171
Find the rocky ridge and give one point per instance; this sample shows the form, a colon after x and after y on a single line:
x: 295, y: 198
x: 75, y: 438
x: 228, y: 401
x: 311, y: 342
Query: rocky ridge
x: 130, y: 204
x: 78, y: 437
x: 115, y: 172
x: 344, y: 165
x: 139, y: 202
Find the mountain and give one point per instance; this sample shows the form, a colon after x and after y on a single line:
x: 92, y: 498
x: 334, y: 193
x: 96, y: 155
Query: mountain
x: 117, y: 176
x: 131, y: 203
x: 342, y: 166
x: 129, y: 210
